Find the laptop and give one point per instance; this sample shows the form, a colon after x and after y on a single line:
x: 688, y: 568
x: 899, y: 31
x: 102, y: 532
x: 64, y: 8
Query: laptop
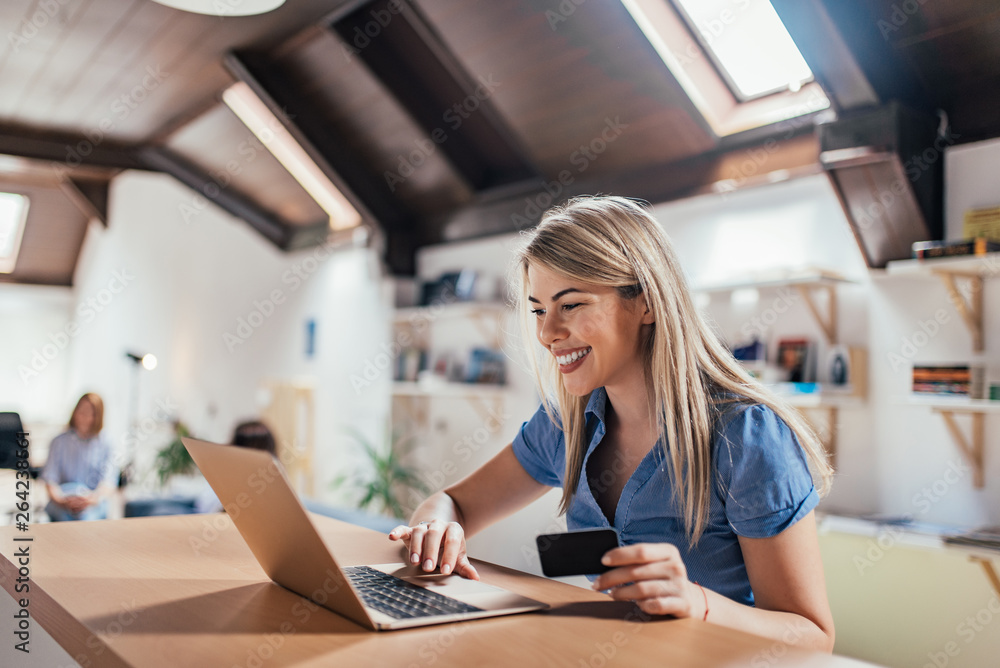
x: 253, y: 487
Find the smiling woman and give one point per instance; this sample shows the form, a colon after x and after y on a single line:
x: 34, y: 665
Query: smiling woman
x: 651, y: 427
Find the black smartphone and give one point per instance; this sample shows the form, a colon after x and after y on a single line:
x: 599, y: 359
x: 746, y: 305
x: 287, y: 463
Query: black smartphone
x: 575, y: 552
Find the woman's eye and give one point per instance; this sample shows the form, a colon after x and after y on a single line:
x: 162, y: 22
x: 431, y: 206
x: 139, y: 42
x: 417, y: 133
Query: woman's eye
x: 569, y: 307
x: 538, y: 311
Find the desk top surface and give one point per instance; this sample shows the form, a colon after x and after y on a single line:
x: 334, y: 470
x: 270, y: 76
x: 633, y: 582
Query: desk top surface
x: 186, y: 590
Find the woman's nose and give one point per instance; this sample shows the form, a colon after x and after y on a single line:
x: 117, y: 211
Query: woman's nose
x: 551, y: 330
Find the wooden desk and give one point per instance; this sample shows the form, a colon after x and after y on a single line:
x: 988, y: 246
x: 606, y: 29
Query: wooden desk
x: 186, y: 591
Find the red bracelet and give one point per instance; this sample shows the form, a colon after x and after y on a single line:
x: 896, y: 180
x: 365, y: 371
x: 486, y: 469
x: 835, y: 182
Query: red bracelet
x: 705, y: 618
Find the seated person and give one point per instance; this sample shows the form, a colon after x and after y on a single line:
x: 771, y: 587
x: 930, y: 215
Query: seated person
x: 80, y: 472
x: 253, y: 434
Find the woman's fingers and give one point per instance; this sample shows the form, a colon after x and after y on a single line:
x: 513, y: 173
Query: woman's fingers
x: 433, y: 542
x: 464, y: 568
x: 436, y: 544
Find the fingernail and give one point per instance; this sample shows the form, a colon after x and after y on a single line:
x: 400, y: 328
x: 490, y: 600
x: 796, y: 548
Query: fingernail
x: 428, y: 565
x: 414, y: 558
x: 446, y: 569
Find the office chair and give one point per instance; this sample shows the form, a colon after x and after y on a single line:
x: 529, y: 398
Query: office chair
x: 10, y: 427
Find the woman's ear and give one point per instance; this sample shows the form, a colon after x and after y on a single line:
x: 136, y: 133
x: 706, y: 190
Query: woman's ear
x: 647, y: 315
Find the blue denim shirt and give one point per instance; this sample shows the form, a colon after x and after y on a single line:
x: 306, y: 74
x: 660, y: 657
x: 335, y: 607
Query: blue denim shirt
x: 761, y: 487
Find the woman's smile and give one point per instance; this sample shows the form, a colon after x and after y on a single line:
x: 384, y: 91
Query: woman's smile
x: 571, y: 360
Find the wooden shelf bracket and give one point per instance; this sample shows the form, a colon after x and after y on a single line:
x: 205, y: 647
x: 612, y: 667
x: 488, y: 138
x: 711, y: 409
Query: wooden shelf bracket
x: 971, y: 450
x: 991, y: 573
x: 829, y: 438
x: 970, y: 309
x: 828, y: 323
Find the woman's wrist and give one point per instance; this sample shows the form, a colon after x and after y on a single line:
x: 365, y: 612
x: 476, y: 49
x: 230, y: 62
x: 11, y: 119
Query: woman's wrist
x: 698, y: 601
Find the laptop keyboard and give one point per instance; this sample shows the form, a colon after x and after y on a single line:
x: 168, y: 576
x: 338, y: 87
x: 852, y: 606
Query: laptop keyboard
x: 401, y: 599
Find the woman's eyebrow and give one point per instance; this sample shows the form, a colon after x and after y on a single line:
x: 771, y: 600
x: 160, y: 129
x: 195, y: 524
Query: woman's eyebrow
x: 560, y: 294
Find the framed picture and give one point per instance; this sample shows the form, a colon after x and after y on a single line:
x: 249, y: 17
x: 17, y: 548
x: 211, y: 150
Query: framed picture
x: 797, y: 358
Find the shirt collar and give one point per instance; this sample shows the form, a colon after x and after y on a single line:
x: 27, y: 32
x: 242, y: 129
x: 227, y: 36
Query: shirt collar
x: 597, y: 403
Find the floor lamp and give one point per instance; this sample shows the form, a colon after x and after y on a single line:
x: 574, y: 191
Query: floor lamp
x: 139, y: 362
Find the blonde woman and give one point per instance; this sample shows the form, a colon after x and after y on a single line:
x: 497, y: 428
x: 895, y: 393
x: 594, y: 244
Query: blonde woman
x: 80, y: 472
x: 650, y: 427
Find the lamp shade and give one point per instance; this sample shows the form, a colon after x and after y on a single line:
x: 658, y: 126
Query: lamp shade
x: 224, y: 7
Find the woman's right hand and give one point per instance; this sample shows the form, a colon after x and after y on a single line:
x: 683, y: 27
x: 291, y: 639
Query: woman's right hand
x: 436, y: 543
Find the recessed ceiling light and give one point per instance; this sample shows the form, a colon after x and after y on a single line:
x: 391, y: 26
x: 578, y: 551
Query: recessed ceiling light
x: 224, y: 7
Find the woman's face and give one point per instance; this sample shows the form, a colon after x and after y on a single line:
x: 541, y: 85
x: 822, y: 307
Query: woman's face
x: 593, y: 333
x: 83, y: 418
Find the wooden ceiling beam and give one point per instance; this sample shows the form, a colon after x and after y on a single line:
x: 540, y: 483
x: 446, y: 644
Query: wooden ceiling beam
x: 269, y: 226
x: 68, y: 152
x: 454, y: 109
x: 367, y: 191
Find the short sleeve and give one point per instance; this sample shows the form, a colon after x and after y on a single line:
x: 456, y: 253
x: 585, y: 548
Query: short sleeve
x: 539, y: 448
x: 50, y: 472
x: 763, y: 474
x: 109, y: 466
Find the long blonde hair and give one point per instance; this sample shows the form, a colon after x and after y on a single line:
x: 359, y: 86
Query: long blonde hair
x: 614, y: 242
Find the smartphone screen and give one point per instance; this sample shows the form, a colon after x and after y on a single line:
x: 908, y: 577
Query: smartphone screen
x: 575, y: 552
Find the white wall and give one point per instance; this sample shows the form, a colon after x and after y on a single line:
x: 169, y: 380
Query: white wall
x: 971, y: 181
x: 893, y: 458
x: 182, y: 286
x: 35, y: 359
x: 793, y: 225
x: 453, y: 423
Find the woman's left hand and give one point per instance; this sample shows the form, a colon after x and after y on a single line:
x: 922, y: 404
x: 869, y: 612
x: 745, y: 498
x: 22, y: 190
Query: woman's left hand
x: 654, y: 576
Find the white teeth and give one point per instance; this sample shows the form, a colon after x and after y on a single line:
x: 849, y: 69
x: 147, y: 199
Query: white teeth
x: 572, y: 357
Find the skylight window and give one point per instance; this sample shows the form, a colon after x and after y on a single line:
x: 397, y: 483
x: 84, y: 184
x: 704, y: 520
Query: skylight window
x: 748, y: 44
x: 13, y: 211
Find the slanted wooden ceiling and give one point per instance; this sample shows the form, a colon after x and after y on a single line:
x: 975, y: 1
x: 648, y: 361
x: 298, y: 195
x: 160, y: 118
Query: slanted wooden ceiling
x: 546, y: 91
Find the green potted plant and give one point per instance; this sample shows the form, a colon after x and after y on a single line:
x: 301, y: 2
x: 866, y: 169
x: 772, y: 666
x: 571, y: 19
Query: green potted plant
x: 385, y: 480
x: 174, y: 458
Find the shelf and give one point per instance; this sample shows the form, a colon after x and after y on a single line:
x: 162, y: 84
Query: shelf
x: 982, y: 265
x: 823, y: 400
x: 405, y: 315
x: 971, y: 448
x: 953, y: 405
x: 486, y: 400
x: 829, y: 402
x: 806, y: 283
x: 973, y: 269
x: 456, y: 390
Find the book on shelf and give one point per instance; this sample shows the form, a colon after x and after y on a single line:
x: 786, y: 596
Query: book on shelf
x: 798, y: 358
x: 962, y: 380
x: 982, y: 223
x: 975, y: 246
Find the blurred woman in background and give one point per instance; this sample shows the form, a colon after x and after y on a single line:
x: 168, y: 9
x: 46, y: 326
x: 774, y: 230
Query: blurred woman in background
x: 80, y: 472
